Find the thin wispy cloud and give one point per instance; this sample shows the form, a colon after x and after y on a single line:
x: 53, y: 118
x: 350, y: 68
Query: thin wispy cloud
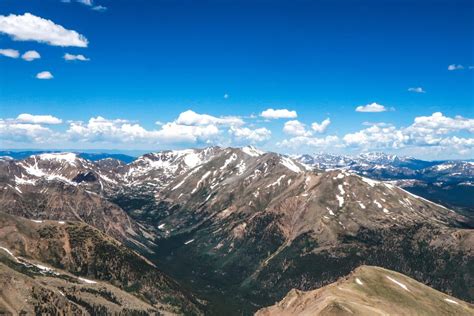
x: 455, y: 67
x: 371, y: 108
x: 417, y: 90
x: 28, y: 27
x: 71, y: 57
x: 8, y: 52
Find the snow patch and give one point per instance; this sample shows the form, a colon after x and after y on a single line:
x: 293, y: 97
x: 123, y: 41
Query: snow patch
x: 287, y: 162
x: 330, y: 211
x: 67, y: 157
x: 451, y: 301
x: 228, y: 161
x: 358, y: 281
x: 362, y: 206
x: 277, y: 182
x: 252, y: 151
x: 87, y: 281
x: 370, y: 182
x: 400, y: 284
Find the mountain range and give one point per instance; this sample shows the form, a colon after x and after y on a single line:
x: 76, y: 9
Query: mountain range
x: 448, y: 182
x: 217, y: 230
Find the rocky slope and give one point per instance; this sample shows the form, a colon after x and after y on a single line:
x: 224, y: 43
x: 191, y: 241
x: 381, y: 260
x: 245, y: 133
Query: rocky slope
x: 241, y: 227
x: 450, y: 183
x: 252, y: 226
x: 84, y: 266
x: 370, y: 291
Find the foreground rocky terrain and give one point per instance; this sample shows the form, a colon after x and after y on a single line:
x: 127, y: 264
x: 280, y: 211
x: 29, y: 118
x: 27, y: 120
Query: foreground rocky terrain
x: 370, y: 290
x: 237, y: 227
x: 73, y: 268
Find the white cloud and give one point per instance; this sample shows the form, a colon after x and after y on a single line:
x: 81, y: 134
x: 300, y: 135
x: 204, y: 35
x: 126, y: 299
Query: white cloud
x: 296, y: 128
x: 79, y: 57
x: 376, y: 137
x: 99, y: 8
x: 28, y: 27
x: 278, y: 114
x: 44, y: 75
x: 252, y: 135
x: 439, y: 124
x: 190, y: 117
x: 12, y: 53
x: 176, y: 133
x: 99, y: 129
x: 417, y: 90
x: 310, y: 143
x: 12, y: 132
x: 38, y: 119
x: 426, y: 131
x: 31, y: 55
x: 455, y: 67
x: 321, y: 128
x: 102, y: 130
x: 372, y: 107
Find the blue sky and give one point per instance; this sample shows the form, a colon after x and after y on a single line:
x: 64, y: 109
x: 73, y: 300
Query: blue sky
x: 151, y: 61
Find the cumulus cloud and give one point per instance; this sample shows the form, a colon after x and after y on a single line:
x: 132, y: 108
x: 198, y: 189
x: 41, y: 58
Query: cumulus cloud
x: 38, y: 119
x: 416, y: 90
x: 12, y: 53
x: 321, y: 127
x: 435, y: 130
x: 70, y: 57
x: 439, y: 124
x: 13, y: 132
x: 190, y: 117
x: 372, y: 107
x: 376, y: 137
x: 28, y: 27
x: 278, y: 114
x: 296, y: 128
x: 175, y: 133
x: 102, y: 130
x: 99, y: 129
x: 251, y: 135
x: 455, y: 67
x: 44, y: 75
x: 303, y: 142
x: 31, y: 55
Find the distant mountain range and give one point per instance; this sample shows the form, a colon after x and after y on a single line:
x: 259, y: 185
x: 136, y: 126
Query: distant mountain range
x: 448, y: 182
x: 85, y: 155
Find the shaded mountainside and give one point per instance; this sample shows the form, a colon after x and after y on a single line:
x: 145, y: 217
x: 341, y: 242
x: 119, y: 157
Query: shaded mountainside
x: 84, y: 251
x: 370, y: 291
